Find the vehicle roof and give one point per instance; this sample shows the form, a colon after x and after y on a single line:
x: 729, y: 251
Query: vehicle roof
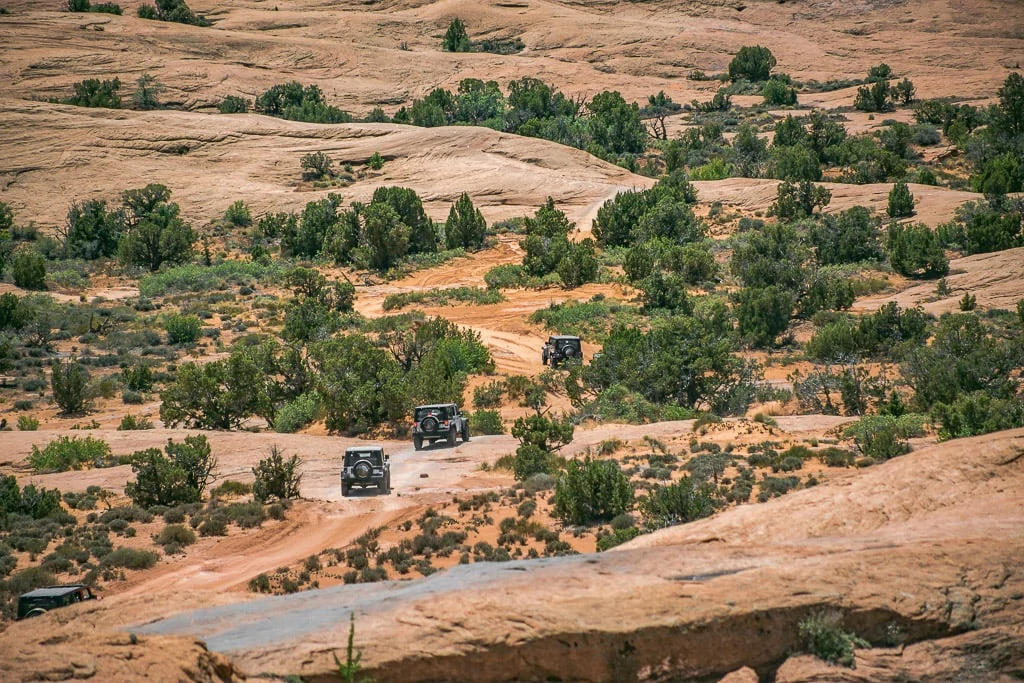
x: 53, y: 591
x: 563, y: 336
x: 436, y: 405
x: 358, y: 449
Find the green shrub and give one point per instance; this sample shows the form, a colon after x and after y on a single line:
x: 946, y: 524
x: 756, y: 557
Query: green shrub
x: 205, y: 279
x: 28, y: 267
x: 591, y: 491
x: 27, y: 423
x: 180, y: 476
x: 836, y: 457
x: 277, y: 477
x: 776, y: 486
x: 442, y: 297
x: 455, y: 38
x: 915, y: 251
x: 233, y: 104
x: 246, y: 515
x: 678, y: 503
x: 778, y: 93
x: 93, y: 92
x: 131, y: 422
x: 901, y: 201
x: 175, y: 533
x: 238, y: 214
x: 753, y: 63
x: 231, y: 488
x: 68, y: 453
x: 296, y: 414
x: 488, y: 395
x: 486, y: 422
x: 978, y: 413
x: 183, y: 329
x: 217, y: 525
x: 824, y: 637
x: 131, y: 558
x: 616, y: 537
x: 882, y: 437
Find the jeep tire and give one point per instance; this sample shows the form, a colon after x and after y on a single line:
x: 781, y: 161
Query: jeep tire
x: 451, y: 436
x: 345, y: 488
x: 465, y: 433
x: 417, y: 442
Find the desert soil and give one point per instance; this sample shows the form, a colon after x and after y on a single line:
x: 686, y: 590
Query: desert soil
x: 926, y: 548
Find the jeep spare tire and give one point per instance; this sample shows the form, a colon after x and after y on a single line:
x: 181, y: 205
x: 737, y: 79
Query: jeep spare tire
x: 429, y: 424
x: 363, y: 469
x: 568, y: 352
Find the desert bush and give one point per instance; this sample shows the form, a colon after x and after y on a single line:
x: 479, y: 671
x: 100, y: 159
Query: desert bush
x: 182, y: 329
x: 180, y: 476
x: 68, y: 453
x: 316, y: 165
x: 776, y: 93
x: 465, y: 226
x: 138, y: 377
x: 901, y: 201
x: 824, y: 637
x: 978, y: 413
x: 277, y: 476
x: 297, y: 413
x: 876, y: 97
x: 776, y: 486
x: 238, y: 214
x: 28, y: 268
x: 176, y: 11
x: 684, y: 501
x: 753, y: 63
x: 231, y: 488
x: 455, y: 38
x: 130, y: 558
x: 590, y: 491
x: 882, y: 437
x: 246, y: 515
x: 442, y: 297
x: 233, y: 104
x: 486, y: 422
x: 915, y: 251
x: 297, y: 103
x: 27, y: 423
x: 175, y: 533
x: 131, y: 422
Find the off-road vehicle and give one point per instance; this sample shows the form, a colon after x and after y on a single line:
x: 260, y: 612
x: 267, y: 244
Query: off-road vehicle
x: 561, y: 347
x: 42, y: 600
x: 365, y: 466
x: 439, y: 422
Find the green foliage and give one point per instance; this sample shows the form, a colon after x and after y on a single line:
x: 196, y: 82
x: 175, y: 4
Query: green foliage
x: 849, y: 236
x: 296, y: 414
x: 130, y: 558
x: 27, y: 423
x: 915, y: 251
x: 180, y: 476
x: 880, y: 333
x: 28, y: 269
x: 962, y: 358
x: 772, y: 256
x: 91, y: 231
x: 763, y: 314
x: 233, y: 104
x: 317, y: 308
x: 591, y: 491
x: 455, y: 38
x: 146, y: 91
x: 778, y: 93
x: 132, y: 423
x: 238, y: 214
x: 754, y: 63
x: 197, y: 278
x: 383, y: 239
x: 407, y: 205
x: 465, y: 226
x: 182, y: 329
x: 277, y: 476
x: 618, y: 220
x: 901, y: 201
x: 442, y: 297
x: 824, y: 637
x: 156, y: 233
x: 69, y: 453
x: 485, y: 422
x: 982, y: 227
x: 883, y: 436
x: 681, y: 360
x: 93, y: 92
x: 350, y: 669
x: 171, y: 10
x: 876, y: 97
x: 316, y: 165
x: 799, y: 200
x: 70, y: 383
x: 539, y: 436
x: 138, y: 377
x: 294, y: 102
x: 359, y: 385
x: 684, y: 501
x: 614, y: 125
x: 978, y: 413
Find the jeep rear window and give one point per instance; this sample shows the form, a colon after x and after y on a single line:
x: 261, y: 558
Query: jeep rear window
x: 436, y: 412
x: 372, y: 456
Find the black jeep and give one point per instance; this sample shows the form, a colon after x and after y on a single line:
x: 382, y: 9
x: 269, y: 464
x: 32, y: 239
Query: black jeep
x: 366, y: 466
x: 561, y: 347
x: 438, y: 422
x: 42, y: 600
